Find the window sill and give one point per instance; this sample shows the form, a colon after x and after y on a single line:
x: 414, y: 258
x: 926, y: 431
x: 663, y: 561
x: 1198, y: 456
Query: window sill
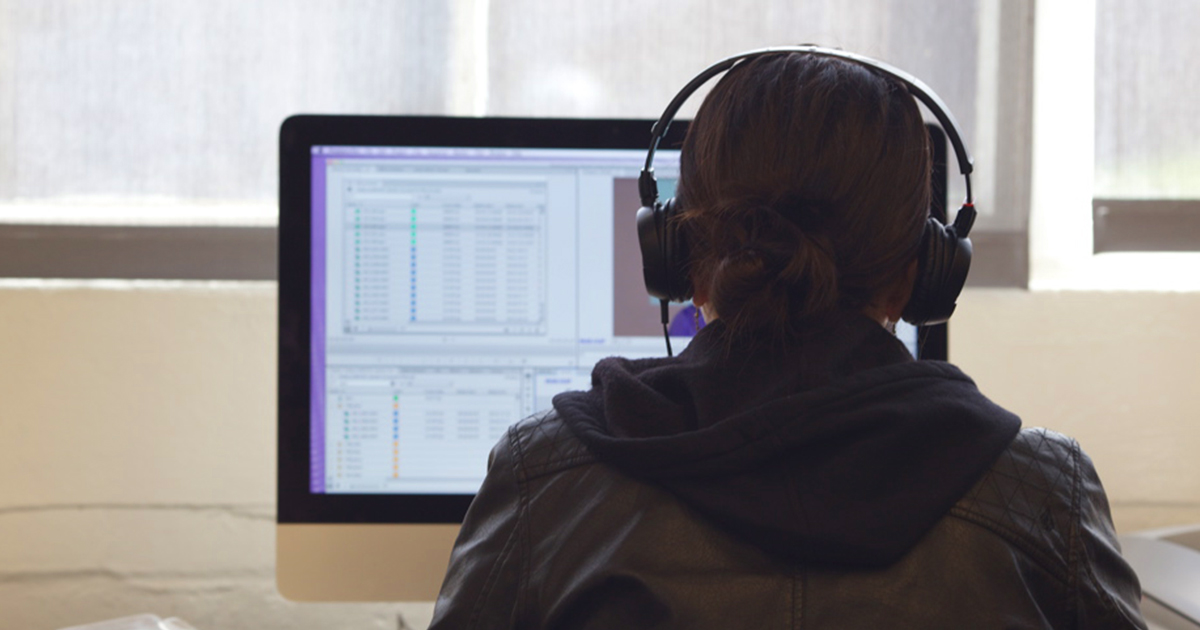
x: 1120, y: 271
x: 140, y: 212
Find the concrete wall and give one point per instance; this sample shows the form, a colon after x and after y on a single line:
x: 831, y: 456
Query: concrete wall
x: 137, y: 431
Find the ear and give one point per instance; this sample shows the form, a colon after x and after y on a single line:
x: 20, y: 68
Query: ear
x: 896, y: 297
x: 700, y: 301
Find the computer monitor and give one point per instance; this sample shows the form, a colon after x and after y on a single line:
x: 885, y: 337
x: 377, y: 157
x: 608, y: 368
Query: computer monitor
x: 440, y: 279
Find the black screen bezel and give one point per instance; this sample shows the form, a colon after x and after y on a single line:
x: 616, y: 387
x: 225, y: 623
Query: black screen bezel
x: 298, y: 134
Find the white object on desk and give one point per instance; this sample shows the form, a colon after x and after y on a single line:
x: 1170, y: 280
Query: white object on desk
x: 137, y: 622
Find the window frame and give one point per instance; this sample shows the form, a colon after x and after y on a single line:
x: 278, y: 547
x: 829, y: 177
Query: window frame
x: 1076, y: 240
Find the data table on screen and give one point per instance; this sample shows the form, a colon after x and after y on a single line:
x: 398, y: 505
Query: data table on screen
x: 453, y: 256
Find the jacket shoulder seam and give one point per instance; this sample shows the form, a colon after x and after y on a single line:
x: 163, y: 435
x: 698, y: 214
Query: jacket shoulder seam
x: 1077, y: 489
x: 1055, y: 569
x: 515, y: 539
x: 1052, y: 556
x: 522, y: 523
x: 556, y: 463
x: 1073, y: 531
x: 559, y: 465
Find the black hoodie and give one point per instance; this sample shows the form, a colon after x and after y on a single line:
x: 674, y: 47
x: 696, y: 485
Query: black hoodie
x: 836, y: 449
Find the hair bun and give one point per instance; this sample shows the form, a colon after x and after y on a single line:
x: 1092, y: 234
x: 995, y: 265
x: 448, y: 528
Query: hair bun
x: 777, y: 274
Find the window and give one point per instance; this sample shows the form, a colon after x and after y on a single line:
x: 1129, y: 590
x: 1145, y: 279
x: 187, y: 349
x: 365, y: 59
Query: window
x: 1114, y: 114
x: 140, y: 139
x: 1147, y: 189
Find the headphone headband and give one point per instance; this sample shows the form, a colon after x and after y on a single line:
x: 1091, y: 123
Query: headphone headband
x: 648, y: 187
x: 944, y: 251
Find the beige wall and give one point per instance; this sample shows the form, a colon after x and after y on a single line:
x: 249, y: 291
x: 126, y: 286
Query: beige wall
x: 137, y: 453
x: 137, y: 437
x: 1118, y: 371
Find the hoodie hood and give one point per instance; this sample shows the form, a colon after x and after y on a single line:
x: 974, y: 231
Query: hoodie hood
x: 836, y: 449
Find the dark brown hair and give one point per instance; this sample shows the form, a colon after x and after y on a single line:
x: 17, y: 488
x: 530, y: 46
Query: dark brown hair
x: 806, y: 184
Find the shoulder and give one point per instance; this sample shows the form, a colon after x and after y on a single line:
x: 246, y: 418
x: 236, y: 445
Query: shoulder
x: 1028, y: 497
x: 543, y: 444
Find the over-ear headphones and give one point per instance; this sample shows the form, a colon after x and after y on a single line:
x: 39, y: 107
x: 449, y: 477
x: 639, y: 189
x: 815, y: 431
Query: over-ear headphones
x: 944, y: 256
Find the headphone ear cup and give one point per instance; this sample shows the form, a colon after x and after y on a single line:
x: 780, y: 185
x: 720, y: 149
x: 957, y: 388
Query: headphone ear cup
x: 942, y: 265
x: 664, y: 252
x: 678, y: 253
x: 653, y: 256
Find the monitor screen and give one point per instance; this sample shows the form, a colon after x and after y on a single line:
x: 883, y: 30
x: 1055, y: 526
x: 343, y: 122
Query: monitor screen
x: 456, y: 290
x: 441, y: 279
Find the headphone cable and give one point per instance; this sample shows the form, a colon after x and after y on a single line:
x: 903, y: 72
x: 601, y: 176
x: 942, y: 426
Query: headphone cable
x: 666, y: 335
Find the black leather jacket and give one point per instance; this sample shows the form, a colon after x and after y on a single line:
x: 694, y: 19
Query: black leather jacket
x: 579, y: 532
